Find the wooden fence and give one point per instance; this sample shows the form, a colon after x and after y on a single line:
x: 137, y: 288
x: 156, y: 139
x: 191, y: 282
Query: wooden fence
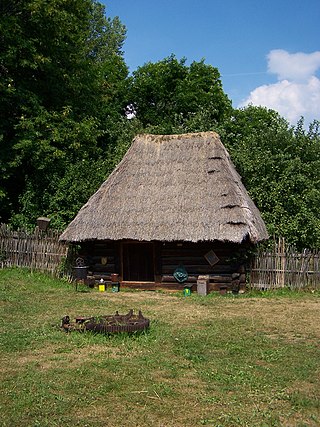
x: 283, y: 266
x: 277, y: 268
x: 40, y: 250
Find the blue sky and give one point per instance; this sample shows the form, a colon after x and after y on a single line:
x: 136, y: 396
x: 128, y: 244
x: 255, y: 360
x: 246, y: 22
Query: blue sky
x: 267, y: 51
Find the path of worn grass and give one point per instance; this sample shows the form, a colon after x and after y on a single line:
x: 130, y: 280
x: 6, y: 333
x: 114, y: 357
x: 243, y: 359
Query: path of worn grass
x: 215, y: 361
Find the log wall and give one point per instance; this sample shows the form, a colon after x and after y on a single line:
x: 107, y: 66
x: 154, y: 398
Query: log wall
x: 227, y: 274
x: 105, y: 258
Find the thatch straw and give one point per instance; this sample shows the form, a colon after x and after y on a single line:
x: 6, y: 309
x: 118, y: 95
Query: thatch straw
x: 171, y: 188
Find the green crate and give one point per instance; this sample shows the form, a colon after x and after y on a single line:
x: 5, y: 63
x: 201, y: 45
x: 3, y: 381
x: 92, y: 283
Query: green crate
x: 115, y: 287
x: 187, y: 291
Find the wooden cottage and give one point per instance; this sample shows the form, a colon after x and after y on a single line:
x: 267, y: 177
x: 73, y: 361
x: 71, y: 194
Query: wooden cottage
x: 173, y: 201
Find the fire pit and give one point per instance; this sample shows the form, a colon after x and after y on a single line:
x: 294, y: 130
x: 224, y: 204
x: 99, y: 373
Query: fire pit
x: 107, y: 324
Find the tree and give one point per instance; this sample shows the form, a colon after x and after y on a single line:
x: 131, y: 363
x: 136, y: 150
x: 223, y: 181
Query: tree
x: 280, y: 167
x: 62, y: 78
x: 167, y: 96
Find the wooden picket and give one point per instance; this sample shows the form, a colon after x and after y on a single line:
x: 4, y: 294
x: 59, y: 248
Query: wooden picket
x: 279, y: 267
x: 40, y: 250
x: 283, y: 266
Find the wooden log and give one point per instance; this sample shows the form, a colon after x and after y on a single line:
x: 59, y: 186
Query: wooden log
x: 218, y: 269
x: 174, y: 286
x: 242, y: 278
x: 98, y: 276
x: 218, y: 286
x: 170, y: 279
x: 97, y: 259
x: 191, y: 269
x: 187, y: 260
x: 108, y: 268
x: 221, y: 278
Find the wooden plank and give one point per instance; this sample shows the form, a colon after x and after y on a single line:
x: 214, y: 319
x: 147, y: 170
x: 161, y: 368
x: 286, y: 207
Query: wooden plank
x: 108, y: 268
x: 283, y: 266
x: 39, y: 250
x: 187, y: 260
x: 170, y: 279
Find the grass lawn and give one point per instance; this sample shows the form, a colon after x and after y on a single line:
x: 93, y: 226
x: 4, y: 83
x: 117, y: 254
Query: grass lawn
x: 247, y: 360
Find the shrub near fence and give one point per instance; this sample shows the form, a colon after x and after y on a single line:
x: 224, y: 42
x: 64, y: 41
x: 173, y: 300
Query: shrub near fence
x: 283, y: 266
x: 40, y: 250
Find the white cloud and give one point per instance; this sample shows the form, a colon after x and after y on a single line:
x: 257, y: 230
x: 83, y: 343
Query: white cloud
x: 293, y: 66
x: 297, y: 93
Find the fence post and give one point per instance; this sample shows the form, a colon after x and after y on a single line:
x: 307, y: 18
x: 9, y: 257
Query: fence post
x: 282, y: 261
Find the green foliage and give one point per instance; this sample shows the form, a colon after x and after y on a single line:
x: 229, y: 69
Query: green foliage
x: 167, y: 96
x: 62, y: 77
x: 65, y: 93
x: 280, y: 167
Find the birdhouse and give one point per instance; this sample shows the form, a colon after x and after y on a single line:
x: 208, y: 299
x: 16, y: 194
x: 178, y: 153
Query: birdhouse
x: 42, y: 223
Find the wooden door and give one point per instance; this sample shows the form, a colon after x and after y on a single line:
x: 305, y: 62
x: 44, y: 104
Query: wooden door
x: 138, y: 262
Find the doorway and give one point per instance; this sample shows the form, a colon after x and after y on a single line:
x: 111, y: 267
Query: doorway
x: 138, y: 262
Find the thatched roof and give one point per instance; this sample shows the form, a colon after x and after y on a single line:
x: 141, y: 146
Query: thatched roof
x: 171, y: 188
